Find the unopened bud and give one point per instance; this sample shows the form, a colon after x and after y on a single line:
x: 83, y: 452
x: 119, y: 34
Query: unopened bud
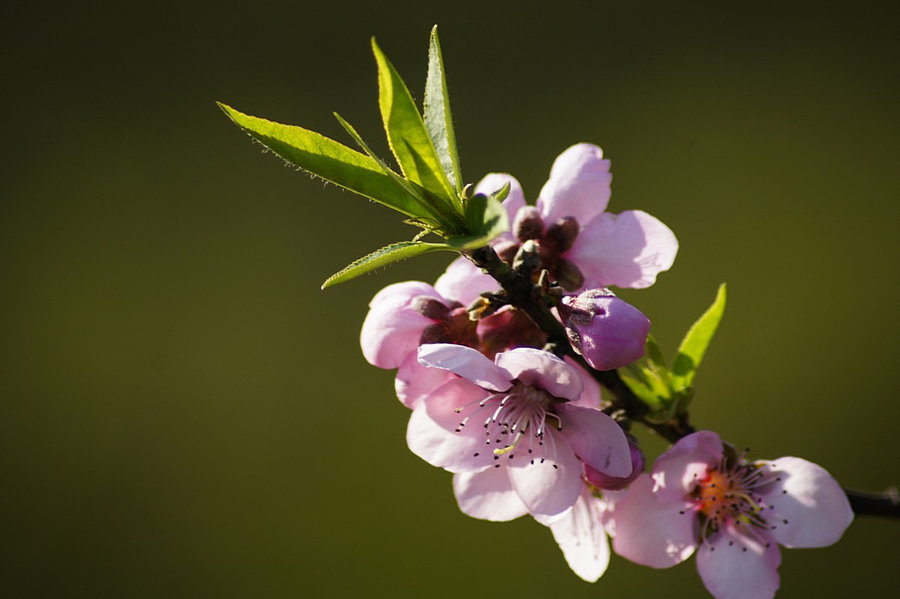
x: 613, y: 483
x: 561, y: 234
x: 528, y: 224
x: 608, y: 331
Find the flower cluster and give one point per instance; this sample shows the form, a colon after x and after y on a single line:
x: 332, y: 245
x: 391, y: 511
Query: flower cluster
x: 521, y: 424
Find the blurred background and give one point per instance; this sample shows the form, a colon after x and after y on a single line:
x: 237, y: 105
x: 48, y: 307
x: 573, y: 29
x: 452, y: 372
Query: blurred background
x: 184, y: 413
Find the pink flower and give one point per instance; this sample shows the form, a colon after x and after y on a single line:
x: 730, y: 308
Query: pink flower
x: 405, y: 315
x: 581, y: 244
x: 608, y: 331
x: 734, y: 513
x: 512, y: 431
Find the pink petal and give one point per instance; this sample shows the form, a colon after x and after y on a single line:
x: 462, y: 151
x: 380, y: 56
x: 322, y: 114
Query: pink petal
x: 432, y: 435
x: 548, y: 478
x: 466, y: 362
x: 676, y: 471
x: 581, y: 537
x: 809, y: 508
x: 488, y: 495
x: 464, y: 282
x: 596, y: 439
x: 579, y: 185
x: 624, y: 250
x: 541, y: 369
x: 734, y: 566
x: 514, y: 201
x: 591, y: 396
x: 652, y: 531
x: 414, y: 382
x: 401, y: 294
x: 392, y: 329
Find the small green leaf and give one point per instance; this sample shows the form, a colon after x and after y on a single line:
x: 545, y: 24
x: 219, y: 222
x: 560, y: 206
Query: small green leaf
x: 438, y: 119
x: 331, y: 161
x: 407, y: 135
x: 654, y: 355
x: 486, y: 218
x: 474, y: 208
x: 386, y: 255
x: 696, y: 341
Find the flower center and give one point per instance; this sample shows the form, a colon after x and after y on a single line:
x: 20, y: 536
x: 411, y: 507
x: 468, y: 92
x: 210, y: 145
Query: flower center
x: 513, y: 418
x: 729, y: 494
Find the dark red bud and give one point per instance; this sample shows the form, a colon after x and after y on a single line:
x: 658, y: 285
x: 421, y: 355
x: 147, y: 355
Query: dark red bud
x: 528, y: 224
x: 561, y: 234
x: 429, y: 307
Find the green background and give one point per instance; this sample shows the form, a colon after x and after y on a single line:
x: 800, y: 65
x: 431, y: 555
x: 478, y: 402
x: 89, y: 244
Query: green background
x: 184, y: 414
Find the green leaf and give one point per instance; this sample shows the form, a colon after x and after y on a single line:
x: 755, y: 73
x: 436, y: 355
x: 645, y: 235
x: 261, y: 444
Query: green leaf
x: 332, y: 161
x: 438, y: 119
x: 696, y: 341
x: 486, y: 218
x: 407, y: 135
x: 447, y: 219
x: 386, y: 255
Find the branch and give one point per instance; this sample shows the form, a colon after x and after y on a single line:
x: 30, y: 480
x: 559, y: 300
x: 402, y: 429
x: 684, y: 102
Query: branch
x: 526, y: 296
x: 885, y: 504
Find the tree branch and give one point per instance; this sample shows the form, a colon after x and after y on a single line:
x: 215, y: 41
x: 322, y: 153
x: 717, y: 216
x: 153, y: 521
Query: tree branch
x: 885, y: 504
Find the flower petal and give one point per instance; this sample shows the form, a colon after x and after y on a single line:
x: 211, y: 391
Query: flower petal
x: 547, y: 477
x: 392, y: 329
x: 676, y: 471
x: 541, y: 369
x: 624, y: 250
x: 464, y: 282
x: 651, y: 530
x: 466, y: 362
x: 580, y: 535
x: 493, y: 182
x: 734, y: 566
x: 579, y: 185
x: 401, y: 294
x: 432, y: 431
x: 415, y: 382
x: 810, y: 508
x: 596, y: 439
x: 591, y: 396
x: 488, y: 495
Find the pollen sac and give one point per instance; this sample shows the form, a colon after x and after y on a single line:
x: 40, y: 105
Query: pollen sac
x: 608, y: 331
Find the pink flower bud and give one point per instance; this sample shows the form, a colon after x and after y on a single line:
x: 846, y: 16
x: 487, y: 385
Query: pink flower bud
x: 607, y: 331
x: 613, y: 483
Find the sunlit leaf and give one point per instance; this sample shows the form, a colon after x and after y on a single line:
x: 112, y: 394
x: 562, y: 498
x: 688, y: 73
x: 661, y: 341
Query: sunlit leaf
x: 695, y: 343
x: 330, y: 160
x: 382, y: 257
x: 407, y: 135
x: 438, y: 118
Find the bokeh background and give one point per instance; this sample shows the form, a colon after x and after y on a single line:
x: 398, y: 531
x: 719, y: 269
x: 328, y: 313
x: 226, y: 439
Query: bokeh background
x: 184, y: 414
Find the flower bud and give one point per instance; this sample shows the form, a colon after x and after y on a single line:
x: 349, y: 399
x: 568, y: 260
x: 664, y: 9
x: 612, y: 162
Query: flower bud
x: 612, y: 483
x: 607, y: 331
x: 528, y: 224
x: 561, y: 234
